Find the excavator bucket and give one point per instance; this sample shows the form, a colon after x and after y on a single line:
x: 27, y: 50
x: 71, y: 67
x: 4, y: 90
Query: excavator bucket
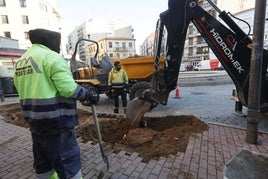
x: 135, y: 111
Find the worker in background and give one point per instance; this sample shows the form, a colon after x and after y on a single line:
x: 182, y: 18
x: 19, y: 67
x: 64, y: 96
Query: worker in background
x: 118, y: 83
x: 48, y: 94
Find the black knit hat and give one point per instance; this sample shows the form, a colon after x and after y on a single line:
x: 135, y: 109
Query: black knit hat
x: 50, y: 39
x: 116, y: 63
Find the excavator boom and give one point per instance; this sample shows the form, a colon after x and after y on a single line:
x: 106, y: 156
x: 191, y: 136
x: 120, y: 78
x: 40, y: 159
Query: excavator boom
x: 228, y: 42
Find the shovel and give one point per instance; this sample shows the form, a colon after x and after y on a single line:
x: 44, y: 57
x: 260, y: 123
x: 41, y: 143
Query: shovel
x: 104, y: 157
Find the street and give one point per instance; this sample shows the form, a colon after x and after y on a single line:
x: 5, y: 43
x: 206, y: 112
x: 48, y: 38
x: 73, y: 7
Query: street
x: 212, y: 104
x: 223, y: 140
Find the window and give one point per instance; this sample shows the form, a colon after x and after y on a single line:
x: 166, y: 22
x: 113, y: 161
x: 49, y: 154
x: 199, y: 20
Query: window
x: 4, y: 19
x: 26, y: 35
x: 116, y: 44
x: 117, y: 55
x: 80, y: 33
x: 110, y: 45
x: 22, y: 3
x: 124, y: 45
x: 43, y: 6
x: 130, y: 44
x: 7, y: 34
x: 111, y: 55
x: 25, y: 20
x: 2, y: 3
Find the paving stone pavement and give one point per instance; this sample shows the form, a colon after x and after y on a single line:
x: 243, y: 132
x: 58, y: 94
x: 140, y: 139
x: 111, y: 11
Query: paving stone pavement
x: 205, y: 156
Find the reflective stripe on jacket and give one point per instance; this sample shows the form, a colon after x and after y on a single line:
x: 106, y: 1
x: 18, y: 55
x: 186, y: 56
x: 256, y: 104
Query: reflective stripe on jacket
x: 47, y: 90
x: 117, y: 79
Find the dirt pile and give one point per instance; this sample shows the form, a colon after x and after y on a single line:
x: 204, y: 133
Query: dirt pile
x: 161, y: 137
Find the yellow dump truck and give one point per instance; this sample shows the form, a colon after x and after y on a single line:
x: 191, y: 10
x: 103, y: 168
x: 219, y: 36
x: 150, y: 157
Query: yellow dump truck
x: 139, y: 71
x: 139, y: 68
x: 94, y: 75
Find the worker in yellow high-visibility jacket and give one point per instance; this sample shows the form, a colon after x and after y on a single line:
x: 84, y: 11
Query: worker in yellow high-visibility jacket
x: 118, y: 83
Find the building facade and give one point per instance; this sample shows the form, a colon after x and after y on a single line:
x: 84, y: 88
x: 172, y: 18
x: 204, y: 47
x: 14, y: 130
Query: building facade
x: 111, y: 37
x: 114, y: 47
x: 248, y: 25
x: 147, y: 47
x: 9, y: 51
x: 195, y: 48
x: 245, y: 20
x: 20, y: 16
x: 235, y: 6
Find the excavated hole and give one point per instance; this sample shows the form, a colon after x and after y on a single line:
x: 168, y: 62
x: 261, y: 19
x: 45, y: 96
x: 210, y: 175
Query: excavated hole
x: 162, y: 137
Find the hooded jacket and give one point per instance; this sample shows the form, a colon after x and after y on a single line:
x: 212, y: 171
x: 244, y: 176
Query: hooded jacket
x: 47, y: 90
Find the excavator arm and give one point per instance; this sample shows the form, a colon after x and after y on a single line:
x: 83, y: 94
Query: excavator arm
x: 228, y: 42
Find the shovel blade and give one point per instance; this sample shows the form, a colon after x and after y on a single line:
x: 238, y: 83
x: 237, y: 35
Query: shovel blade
x: 135, y: 110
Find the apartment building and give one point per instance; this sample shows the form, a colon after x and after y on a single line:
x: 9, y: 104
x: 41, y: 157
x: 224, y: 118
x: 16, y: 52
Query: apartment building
x: 247, y: 23
x: 114, y: 40
x: 195, y: 49
x: 114, y: 47
x: 20, y: 16
x: 235, y: 6
x: 147, y: 47
x: 245, y: 20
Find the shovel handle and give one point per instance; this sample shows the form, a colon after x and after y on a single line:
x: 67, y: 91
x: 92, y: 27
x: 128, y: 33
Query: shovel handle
x: 94, y: 113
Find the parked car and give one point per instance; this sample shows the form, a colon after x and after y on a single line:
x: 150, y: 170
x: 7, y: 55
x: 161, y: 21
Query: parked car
x: 183, y: 67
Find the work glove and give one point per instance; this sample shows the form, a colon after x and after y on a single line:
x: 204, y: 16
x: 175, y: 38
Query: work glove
x: 85, y: 96
x: 127, y: 88
x: 93, y: 97
x: 111, y: 90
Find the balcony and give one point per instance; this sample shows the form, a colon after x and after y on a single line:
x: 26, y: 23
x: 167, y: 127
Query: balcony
x: 192, y: 35
x: 120, y: 49
x: 202, y: 44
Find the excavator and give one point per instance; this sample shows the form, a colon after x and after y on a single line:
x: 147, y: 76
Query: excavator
x: 231, y: 45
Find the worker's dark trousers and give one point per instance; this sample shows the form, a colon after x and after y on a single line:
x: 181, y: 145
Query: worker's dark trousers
x: 120, y: 92
x: 60, y: 152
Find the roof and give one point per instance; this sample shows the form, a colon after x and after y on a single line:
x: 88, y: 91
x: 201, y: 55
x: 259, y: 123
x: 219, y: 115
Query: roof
x: 117, y: 38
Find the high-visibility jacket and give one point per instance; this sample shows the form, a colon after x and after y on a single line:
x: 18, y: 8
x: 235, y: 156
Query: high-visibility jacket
x: 47, y: 91
x: 117, y: 79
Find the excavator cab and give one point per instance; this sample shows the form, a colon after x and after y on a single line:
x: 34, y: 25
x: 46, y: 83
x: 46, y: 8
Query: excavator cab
x: 230, y: 44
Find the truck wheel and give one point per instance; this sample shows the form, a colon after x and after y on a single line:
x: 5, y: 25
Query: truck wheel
x: 137, y: 89
x: 90, y: 88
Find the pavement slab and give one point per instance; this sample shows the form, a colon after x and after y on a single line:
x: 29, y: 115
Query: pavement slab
x: 206, y: 155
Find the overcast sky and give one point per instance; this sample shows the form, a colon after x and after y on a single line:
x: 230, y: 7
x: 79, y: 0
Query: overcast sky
x: 140, y: 14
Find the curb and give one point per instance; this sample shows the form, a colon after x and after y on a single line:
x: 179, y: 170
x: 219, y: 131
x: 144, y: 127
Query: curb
x: 205, y: 80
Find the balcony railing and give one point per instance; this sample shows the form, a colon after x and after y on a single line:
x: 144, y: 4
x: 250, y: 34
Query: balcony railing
x: 120, y: 49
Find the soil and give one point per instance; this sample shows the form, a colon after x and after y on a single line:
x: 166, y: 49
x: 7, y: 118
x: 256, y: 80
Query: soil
x: 160, y: 138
